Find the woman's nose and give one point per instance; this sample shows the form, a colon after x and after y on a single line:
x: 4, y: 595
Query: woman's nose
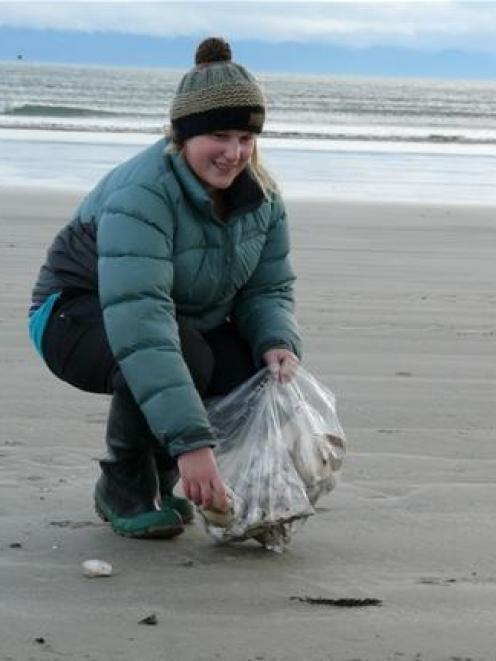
x: 233, y: 149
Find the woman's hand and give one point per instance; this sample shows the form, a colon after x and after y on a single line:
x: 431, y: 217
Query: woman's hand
x: 282, y: 363
x: 201, y: 479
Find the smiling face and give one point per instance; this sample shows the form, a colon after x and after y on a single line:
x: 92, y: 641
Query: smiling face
x: 217, y: 158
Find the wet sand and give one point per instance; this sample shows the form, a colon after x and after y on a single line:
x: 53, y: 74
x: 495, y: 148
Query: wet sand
x: 398, y: 310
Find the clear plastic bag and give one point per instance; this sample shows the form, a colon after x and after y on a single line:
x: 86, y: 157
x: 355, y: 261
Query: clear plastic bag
x: 280, y: 447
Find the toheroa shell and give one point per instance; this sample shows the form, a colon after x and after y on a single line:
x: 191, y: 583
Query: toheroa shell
x: 216, y: 517
x: 96, y: 568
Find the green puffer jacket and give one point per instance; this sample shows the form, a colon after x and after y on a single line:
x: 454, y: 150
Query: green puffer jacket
x: 163, y: 254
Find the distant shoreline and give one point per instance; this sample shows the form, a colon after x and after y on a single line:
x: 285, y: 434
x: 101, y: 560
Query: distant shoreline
x: 318, y: 169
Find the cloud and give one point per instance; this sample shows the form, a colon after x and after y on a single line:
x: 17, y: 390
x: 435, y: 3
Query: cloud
x: 436, y: 25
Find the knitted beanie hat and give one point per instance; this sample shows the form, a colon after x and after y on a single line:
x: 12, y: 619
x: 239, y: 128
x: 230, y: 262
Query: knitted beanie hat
x: 217, y: 94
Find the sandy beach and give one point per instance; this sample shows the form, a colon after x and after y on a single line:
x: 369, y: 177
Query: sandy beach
x: 398, y: 311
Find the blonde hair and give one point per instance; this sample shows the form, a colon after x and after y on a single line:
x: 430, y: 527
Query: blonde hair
x: 261, y: 175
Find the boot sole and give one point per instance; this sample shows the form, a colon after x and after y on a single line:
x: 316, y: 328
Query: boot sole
x: 160, y: 532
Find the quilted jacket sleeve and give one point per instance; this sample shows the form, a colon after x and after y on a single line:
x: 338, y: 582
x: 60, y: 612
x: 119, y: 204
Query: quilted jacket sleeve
x: 264, y: 307
x: 135, y: 272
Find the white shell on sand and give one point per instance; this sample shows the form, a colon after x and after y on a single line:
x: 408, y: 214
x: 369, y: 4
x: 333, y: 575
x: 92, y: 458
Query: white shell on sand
x: 95, y: 568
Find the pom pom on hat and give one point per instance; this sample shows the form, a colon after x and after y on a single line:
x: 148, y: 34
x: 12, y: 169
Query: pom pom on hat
x: 213, y: 49
x: 217, y: 94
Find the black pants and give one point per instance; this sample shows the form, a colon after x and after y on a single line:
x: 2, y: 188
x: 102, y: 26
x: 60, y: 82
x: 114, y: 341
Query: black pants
x: 76, y: 350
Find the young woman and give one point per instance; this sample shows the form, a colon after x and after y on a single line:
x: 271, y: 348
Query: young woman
x: 172, y: 283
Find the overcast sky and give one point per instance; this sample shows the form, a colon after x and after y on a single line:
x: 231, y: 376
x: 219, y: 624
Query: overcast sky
x: 426, y: 27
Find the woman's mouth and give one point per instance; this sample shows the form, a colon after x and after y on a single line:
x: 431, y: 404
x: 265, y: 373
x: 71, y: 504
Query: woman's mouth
x: 225, y: 169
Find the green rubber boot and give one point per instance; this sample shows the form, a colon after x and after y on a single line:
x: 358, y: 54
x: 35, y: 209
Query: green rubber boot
x: 168, y: 476
x: 126, y: 492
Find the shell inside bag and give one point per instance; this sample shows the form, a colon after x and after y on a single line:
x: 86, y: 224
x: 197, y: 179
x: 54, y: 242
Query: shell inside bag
x: 281, y: 447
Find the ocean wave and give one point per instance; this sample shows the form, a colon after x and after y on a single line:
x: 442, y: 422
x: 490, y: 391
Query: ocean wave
x: 394, y: 137
x: 40, y: 110
x: 287, y: 134
x: 392, y: 111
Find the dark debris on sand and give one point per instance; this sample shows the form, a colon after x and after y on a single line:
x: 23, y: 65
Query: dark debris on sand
x: 344, y: 602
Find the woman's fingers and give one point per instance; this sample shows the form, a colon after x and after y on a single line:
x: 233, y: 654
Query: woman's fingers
x: 194, y: 493
x: 202, y: 482
x: 201, y: 477
x: 288, y: 368
x: 207, y: 496
x: 220, y: 500
x: 274, y: 368
x: 282, y: 364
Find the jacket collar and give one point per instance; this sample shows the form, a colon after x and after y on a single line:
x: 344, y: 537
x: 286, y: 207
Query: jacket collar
x: 244, y: 195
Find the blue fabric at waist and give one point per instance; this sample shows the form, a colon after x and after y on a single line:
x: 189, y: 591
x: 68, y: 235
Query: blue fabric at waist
x: 38, y: 320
